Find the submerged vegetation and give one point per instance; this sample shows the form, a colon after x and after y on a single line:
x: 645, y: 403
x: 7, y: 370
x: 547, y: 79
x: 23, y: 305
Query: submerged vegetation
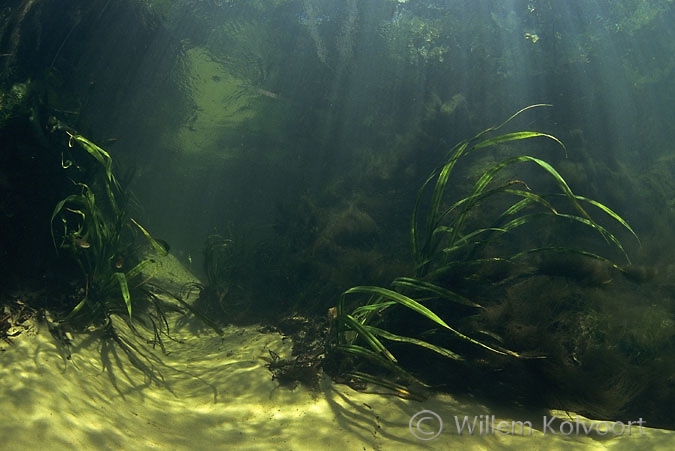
x: 457, y: 244
x: 222, y: 292
x: 278, y: 118
x: 93, y: 227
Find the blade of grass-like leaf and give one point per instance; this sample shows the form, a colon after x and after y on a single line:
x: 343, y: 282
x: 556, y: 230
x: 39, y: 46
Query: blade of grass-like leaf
x: 124, y: 287
x: 364, y: 312
x: 518, y: 113
x: 464, y: 243
x: 76, y: 309
x: 528, y: 198
x: 441, y: 174
x: 374, y: 357
x: 419, y: 308
x: 478, y: 195
x: 416, y: 284
x: 524, y: 219
x: 113, y: 188
x: 95, y: 151
x: 371, y: 339
x: 421, y: 240
x: 439, y: 190
x: 517, y: 136
x: 561, y: 183
x: 158, y: 247
x: 421, y: 343
x: 520, y: 220
x: 603, y: 231
x: 398, y: 389
x: 512, y: 117
x: 566, y: 250
x: 465, y: 240
x: 472, y: 200
x: 515, y: 208
x: 59, y: 207
x: 138, y: 269
x: 610, y: 212
x: 399, y: 298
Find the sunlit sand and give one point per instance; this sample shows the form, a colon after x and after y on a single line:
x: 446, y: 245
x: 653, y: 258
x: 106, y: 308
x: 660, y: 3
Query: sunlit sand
x: 213, y: 392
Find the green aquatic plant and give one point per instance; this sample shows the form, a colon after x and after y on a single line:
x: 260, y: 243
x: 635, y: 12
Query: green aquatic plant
x: 227, y: 266
x: 94, y: 227
x: 454, y: 241
x: 443, y: 234
x: 219, y: 265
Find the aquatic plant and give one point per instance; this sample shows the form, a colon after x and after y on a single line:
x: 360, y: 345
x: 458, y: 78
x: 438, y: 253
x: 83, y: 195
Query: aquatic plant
x: 94, y: 227
x: 445, y: 227
x: 450, y: 246
x: 228, y: 267
x: 219, y: 265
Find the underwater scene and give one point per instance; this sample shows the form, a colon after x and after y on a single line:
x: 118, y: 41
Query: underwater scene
x: 337, y: 224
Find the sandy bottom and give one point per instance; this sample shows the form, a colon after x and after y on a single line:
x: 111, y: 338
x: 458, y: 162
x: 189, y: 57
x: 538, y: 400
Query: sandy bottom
x: 214, y: 392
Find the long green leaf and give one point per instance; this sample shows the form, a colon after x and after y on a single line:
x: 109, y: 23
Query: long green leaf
x: 124, y: 288
x: 565, y: 250
x: 364, y: 312
x: 399, y: 298
x: 95, y: 151
x: 374, y: 357
x: 419, y: 308
x: 611, y: 213
x: 443, y: 293
x: 517, y: 136
x: 77, y: 308
x: 371, y: 339
x: 398, y: 389
x: 138, y: 269
x: 603, y: 231
x: 158, y: 247
x: 421, y: 343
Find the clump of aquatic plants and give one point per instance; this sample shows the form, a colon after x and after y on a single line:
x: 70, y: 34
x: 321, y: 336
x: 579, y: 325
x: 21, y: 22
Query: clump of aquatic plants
x: 94, y: 228
x: 459, y: 240
x: 222, y: 259
x: 219, y: 266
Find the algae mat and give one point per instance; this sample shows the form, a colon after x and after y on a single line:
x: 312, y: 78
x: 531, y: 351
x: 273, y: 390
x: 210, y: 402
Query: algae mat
x: 214, y: 392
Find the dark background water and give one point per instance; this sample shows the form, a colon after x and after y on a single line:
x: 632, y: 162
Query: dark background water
x: 302, y: 130
x: 229, y: 109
